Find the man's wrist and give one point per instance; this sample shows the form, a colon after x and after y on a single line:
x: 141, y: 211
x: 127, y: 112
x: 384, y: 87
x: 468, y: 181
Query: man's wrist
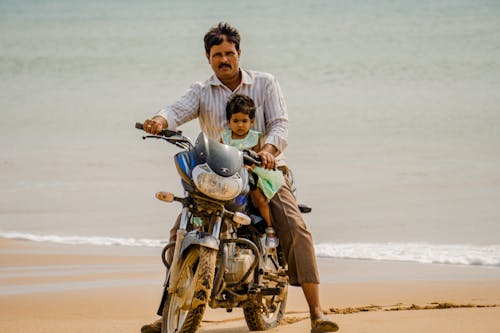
x: 270, y: 148
x: 279, y: 142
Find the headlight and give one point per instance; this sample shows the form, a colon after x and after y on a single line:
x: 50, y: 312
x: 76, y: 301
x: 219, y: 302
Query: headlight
x: 215, y: 186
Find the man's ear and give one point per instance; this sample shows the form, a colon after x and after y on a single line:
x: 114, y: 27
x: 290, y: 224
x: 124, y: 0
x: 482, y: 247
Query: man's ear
x: 208, y: 56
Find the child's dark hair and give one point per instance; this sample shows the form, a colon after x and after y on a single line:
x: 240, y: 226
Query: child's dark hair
x: 239, y: 103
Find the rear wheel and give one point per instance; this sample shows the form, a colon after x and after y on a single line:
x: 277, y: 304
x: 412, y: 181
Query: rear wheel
x: 266, y: 312
x: 184, y: 309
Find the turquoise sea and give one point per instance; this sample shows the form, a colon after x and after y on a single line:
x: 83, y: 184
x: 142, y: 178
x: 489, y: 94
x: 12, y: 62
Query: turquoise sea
x: 394, y: 118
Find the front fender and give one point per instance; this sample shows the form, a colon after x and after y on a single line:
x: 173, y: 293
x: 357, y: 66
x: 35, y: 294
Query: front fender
x: 199, y: 238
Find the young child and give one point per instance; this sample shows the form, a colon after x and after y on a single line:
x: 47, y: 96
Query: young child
x: 240, y: 114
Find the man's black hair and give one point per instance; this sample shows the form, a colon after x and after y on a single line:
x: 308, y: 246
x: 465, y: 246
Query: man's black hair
x: 216, y: 34
x: 239, y: 103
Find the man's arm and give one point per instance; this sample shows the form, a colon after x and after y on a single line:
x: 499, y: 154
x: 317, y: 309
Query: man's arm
x: 182, y: 111
x: 276, y: 116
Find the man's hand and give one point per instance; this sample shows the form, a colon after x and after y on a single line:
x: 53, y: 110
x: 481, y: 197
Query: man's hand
x: 267, y: 156
x: 155, y: 125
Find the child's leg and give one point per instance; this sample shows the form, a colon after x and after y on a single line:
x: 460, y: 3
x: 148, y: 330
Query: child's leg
x: 260, y: 201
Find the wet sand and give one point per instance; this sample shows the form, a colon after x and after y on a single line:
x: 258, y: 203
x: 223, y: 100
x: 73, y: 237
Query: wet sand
x: 59, y: 288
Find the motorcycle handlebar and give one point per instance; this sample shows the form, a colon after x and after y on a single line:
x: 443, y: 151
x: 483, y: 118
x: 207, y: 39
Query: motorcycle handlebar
x: 165, y: 132
x: 250, y: 157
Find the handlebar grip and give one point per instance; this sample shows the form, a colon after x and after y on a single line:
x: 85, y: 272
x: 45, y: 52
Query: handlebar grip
x: 165, y: 132
x: 250, y: 160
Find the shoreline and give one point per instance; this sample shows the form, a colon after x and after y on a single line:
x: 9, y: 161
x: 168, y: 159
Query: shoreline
x: 55, y: 288
x: 402, y: 252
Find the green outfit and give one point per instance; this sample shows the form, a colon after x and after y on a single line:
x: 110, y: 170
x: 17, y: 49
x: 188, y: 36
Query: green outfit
x: 269, y: 181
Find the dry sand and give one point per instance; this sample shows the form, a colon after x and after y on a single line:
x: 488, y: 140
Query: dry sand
x: 60, y: 288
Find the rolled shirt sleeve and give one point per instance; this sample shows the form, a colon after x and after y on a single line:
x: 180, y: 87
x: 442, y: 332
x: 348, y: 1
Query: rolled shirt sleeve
x: 184, y: 109
x: 276, y: 116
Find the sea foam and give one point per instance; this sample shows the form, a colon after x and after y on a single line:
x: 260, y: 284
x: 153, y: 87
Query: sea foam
x: 85, y: 240
x: 455, y: 254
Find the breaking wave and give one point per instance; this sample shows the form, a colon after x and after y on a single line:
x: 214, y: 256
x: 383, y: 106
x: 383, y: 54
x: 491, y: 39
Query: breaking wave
x: 414, y: 252
x: 455, y: 254
x: 85, y: 240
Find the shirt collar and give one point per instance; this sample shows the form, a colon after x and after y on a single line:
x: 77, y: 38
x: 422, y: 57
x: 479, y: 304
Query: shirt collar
x: 246, y: 78
x: 214, y: 81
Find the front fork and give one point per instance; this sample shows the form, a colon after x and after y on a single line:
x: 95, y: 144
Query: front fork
x: 172, y: 273
x: 183, y: 242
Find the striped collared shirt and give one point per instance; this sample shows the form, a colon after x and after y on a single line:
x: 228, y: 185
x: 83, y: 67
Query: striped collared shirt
x: 207, y: 102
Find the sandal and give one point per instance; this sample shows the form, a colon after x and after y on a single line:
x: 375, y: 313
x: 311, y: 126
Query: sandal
x: 322, y: 325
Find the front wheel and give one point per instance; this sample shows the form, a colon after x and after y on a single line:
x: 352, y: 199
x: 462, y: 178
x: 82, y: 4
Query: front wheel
x: 184, y: 309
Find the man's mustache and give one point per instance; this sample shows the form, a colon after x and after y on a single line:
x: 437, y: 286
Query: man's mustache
x: 224, y: 65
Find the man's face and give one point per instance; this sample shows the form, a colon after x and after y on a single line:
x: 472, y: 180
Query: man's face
x: 224, y: 60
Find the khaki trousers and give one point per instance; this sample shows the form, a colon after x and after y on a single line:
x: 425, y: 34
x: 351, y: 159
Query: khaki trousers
x: 295, y: 239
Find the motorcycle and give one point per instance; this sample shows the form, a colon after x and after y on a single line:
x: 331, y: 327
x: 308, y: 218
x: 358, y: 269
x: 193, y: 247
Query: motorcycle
x: 219, y: 257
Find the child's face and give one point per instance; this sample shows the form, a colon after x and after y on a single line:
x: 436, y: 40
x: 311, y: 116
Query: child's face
x: 240, y: 124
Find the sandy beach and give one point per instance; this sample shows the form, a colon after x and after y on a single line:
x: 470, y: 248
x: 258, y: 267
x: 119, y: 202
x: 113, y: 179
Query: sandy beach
x: 393, y: 139
x: 59, y: 288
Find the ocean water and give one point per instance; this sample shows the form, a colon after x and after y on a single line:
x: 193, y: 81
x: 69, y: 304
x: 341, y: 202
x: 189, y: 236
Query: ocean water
x: 394, y: 118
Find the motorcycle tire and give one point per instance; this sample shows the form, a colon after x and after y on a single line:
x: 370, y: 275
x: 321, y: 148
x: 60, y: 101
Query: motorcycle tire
x: 184, y: 309
x: 269, y: 310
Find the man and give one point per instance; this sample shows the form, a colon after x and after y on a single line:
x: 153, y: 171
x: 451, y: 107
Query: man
x: 207, y: 102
